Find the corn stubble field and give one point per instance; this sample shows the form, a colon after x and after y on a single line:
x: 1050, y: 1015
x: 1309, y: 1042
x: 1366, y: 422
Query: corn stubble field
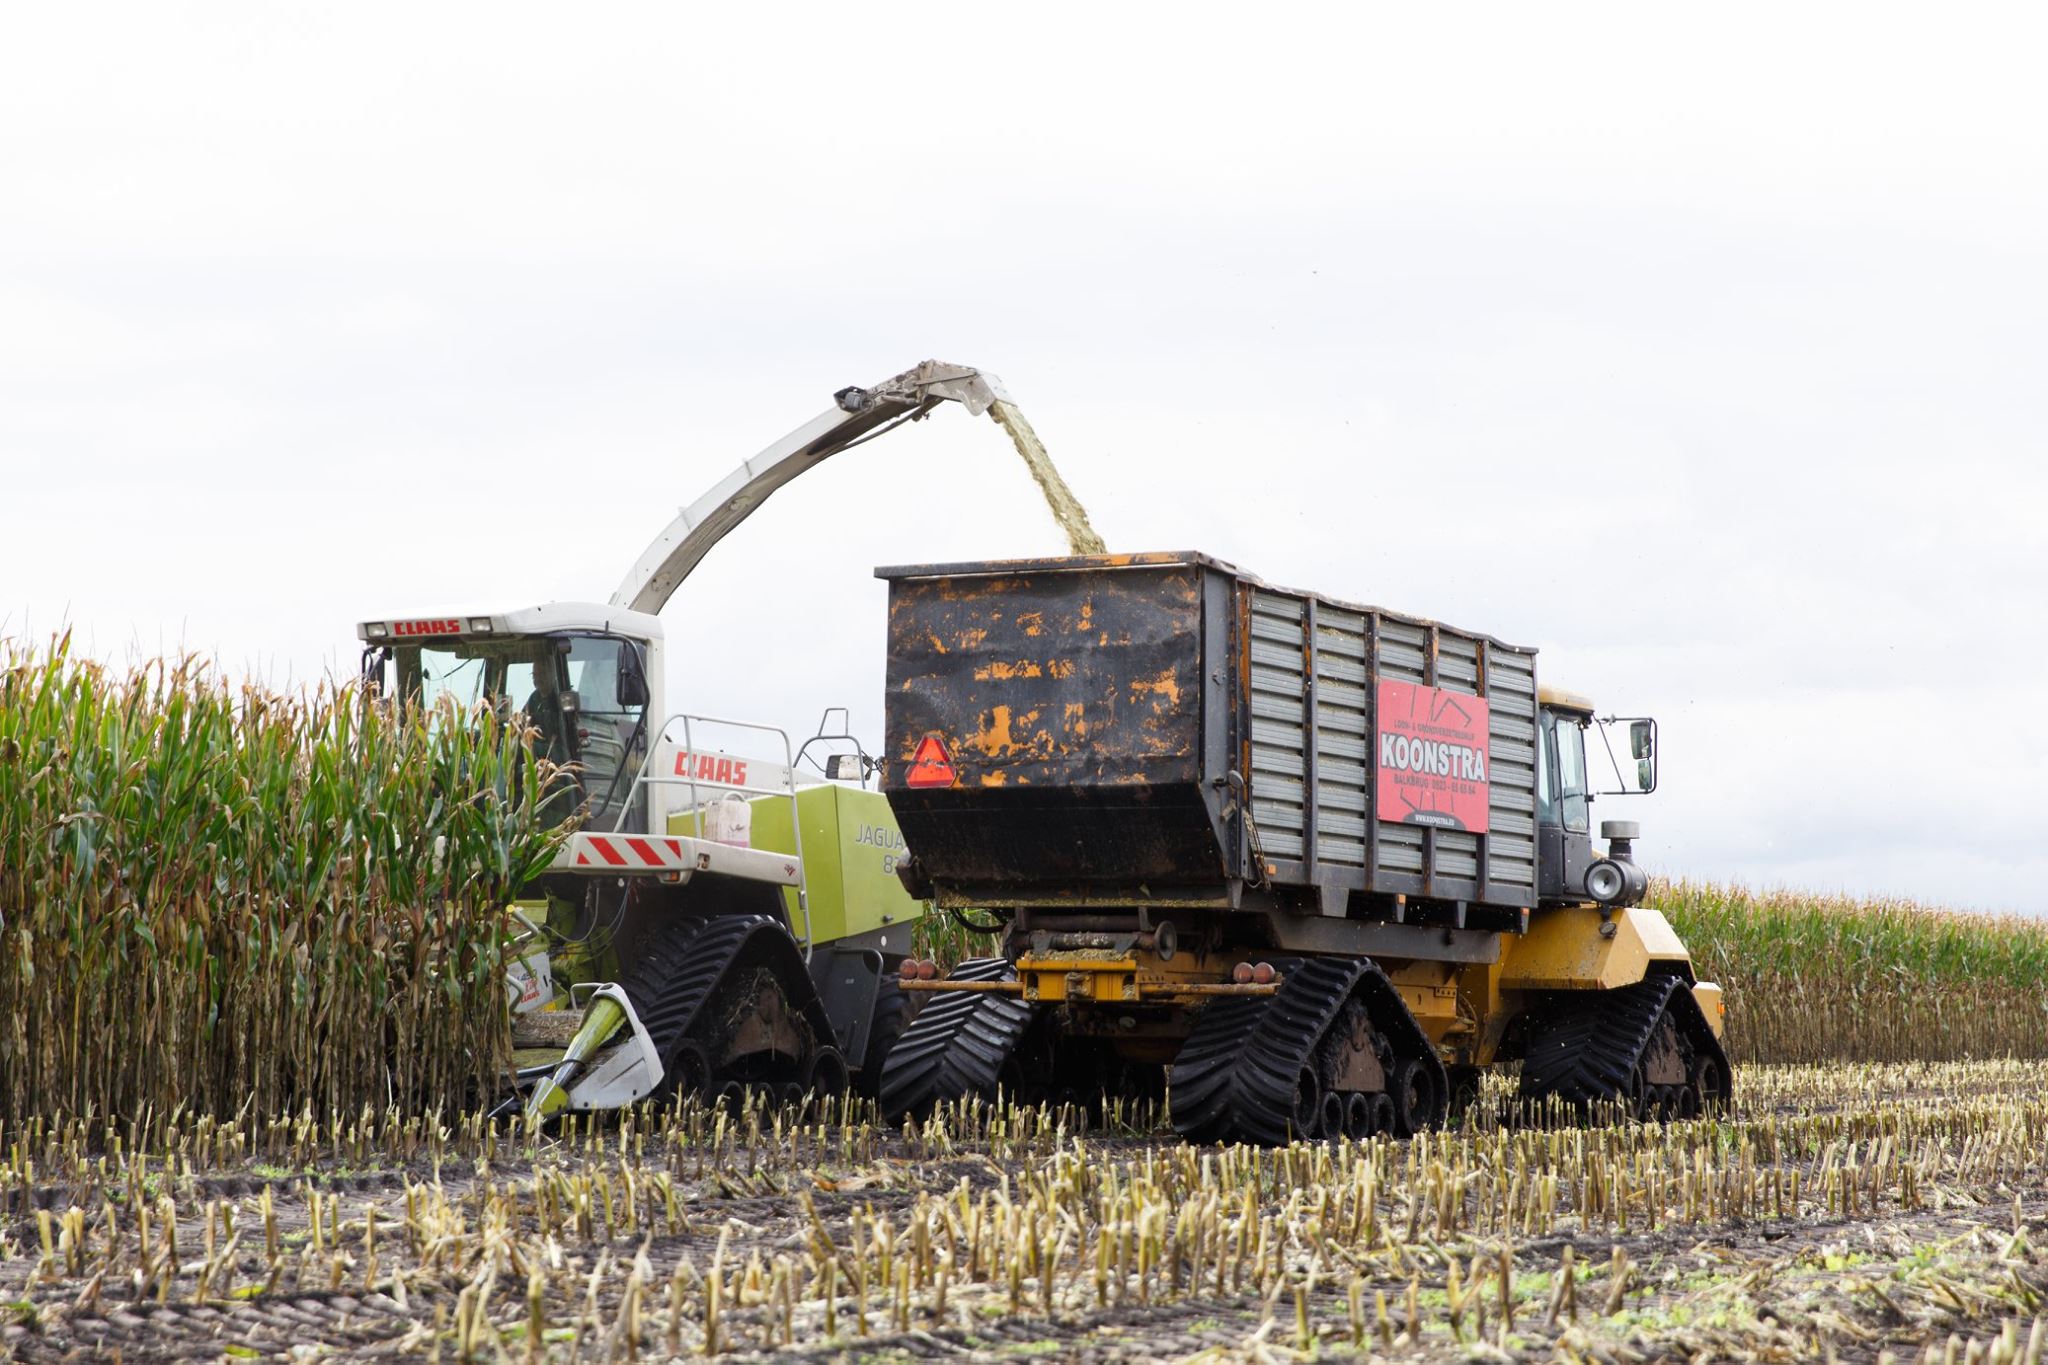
x: 250, y: 1003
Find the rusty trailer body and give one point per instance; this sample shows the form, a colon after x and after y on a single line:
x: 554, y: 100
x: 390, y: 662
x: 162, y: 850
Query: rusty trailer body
x: 1109, y: 717
x: 1302, y: 855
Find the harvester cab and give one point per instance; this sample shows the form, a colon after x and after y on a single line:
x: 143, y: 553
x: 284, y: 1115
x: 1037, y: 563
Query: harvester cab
x: 583, y: 674
x: 1573, y: 872
x: 720, y: 922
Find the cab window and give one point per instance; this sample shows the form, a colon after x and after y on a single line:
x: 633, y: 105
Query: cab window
x: 1571, y: 774
x: 601, y: 743
x: 611, y: 732
x: 1561, y: 773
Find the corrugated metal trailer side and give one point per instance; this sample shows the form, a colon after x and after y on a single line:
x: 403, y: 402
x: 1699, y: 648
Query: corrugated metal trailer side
x: 1313, y: 666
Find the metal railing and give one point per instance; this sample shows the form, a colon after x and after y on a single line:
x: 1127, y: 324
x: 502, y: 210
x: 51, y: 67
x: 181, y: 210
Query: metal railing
x: 647, y: 778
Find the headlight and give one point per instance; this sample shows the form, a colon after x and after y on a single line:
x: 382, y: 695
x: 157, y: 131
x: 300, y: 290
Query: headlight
x: 1604, y: 881
x: 1613, y: 882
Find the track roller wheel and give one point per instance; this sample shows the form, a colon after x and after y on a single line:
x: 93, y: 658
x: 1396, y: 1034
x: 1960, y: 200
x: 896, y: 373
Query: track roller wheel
x: 1415, y: 1099
x: 1334, y: 1108
x: 1382, y: 1113
x: 1635, y: 1095
x: 689, y: 1070
x: 1357, y: 1115
x: 1709, y: 1083
x: 1308, y: 1104
x: 826, y: 1074
x: 1021, y: 1083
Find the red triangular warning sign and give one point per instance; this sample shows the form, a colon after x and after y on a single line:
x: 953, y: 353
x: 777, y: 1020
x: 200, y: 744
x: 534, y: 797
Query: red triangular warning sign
x: 930, y: 766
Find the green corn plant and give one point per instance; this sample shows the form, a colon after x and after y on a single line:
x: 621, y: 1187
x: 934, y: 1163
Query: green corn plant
x: 1830, y: 978
x: 224, y: 897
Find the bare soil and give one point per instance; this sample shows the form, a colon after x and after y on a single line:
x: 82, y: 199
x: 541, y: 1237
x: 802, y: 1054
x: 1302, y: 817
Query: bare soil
x: 1921, y: 1199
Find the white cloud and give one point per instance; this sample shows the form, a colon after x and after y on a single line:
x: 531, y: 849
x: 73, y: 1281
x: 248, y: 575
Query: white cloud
x: 1703, y: 353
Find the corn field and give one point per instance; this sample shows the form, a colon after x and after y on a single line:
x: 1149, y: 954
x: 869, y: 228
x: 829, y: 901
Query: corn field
x: 232, y: 900
x: 1829, y: 978
x: 250, y: 941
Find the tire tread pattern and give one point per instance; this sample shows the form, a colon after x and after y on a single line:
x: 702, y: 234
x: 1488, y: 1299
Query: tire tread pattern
x: 1235, y: 1076
x: 957, y: 1044
x: 1587, y: 1045
x: 679, y: 968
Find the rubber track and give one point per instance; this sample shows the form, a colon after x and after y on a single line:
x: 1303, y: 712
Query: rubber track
x: 957, y: 1044
x: 1235, y: 1076
x: 679, y: 966
x: 1584, y: 1052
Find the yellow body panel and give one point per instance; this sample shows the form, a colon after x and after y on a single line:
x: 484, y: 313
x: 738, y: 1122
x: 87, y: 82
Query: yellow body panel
x: 1080, y: 977
x: 1660, y: 940
x: 1430, y: 990
x: 1557, y: 699
x: 1712, y: 1005
x: 1565, y: 950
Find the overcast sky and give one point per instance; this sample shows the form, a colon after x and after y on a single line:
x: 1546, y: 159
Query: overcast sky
x: 1704, y: 351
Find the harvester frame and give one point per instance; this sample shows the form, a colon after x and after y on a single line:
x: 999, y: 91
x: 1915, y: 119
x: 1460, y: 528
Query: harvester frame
x: 813, y: 994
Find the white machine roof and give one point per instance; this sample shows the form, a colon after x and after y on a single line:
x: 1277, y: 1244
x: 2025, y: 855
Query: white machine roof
x: 549, y: 616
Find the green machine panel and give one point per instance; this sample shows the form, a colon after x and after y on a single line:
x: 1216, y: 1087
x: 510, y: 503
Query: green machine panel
x: 851, y: 846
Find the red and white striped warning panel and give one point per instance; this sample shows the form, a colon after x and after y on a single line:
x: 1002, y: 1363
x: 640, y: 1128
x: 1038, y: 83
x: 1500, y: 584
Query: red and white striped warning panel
x: 672, y: 854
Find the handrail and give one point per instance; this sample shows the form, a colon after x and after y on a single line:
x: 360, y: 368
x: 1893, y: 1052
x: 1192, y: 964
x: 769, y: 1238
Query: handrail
x: 646, y: 778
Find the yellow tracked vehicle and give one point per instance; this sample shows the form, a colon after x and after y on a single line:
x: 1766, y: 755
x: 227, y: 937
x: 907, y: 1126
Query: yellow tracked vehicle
x: 1313, y: 864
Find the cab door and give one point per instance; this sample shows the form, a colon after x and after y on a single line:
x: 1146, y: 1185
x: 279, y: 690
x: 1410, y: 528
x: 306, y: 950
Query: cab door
x: 1564, y: 839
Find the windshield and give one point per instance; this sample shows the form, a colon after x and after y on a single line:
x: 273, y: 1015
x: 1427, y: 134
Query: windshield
x: 523, y: 673
x: 534, y: 675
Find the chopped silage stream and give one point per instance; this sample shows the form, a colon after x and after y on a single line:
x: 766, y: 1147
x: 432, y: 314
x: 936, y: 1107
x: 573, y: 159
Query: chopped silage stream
x: 1845, y: 1210
x: 1066, y: 509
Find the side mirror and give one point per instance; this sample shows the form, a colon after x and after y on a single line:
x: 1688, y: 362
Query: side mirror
x: 844, y: 768
x: 376, y: 670
x: 632, y: 678
x: 1642, y: 749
